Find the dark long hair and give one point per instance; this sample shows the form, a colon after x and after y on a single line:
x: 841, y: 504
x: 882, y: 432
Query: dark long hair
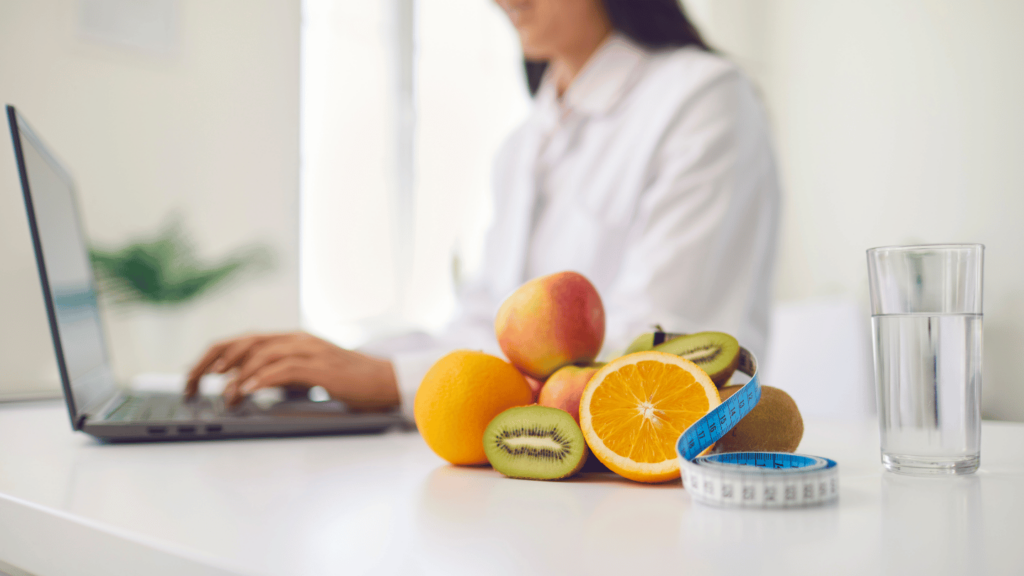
x: 653, y: 24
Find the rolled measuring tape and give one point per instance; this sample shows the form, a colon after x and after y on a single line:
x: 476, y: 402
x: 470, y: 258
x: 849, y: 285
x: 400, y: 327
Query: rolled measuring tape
x: 750, y: 479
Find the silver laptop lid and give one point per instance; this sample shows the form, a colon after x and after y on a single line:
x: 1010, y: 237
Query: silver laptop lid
x: 64, y: 272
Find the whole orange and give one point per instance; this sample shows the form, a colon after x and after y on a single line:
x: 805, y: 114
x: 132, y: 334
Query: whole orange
x: 458, y: 398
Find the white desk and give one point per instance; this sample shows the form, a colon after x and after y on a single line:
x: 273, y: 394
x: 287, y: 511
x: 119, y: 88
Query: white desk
x: 386, y: 504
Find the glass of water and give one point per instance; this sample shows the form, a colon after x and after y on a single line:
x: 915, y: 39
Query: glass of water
x: 926, y: 319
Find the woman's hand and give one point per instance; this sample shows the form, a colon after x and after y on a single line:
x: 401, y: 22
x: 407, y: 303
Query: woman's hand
x: 264, y: 360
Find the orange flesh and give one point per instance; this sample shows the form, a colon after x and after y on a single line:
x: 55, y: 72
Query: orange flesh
x: 640, y: 410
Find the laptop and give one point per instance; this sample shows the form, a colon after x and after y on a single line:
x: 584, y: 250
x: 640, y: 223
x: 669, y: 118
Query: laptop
x: 96, y: 404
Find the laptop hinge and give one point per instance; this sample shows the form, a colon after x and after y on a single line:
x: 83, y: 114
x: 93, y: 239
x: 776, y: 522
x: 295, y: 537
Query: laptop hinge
x: 81, y: 421
x: 100, y: 410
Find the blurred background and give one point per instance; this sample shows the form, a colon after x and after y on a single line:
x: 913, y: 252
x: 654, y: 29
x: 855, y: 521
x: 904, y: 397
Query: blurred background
x: 350, y: 143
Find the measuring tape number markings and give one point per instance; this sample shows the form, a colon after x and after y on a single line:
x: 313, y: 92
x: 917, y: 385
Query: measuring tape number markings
x: 750, y: 479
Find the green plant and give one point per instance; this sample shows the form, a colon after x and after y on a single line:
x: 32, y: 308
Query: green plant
x: 166, y: 271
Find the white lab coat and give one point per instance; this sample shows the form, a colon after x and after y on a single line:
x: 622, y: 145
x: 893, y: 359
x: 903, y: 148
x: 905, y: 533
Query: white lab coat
x: 653, y: 176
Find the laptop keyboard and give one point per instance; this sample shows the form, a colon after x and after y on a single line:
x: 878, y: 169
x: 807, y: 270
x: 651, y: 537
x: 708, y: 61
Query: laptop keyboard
x: 164, y: 408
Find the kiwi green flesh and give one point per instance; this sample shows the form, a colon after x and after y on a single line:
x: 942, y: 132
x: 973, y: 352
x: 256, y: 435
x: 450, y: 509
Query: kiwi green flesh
x: 645, y: 342
x: 535, y: 442
x: 717, y: 353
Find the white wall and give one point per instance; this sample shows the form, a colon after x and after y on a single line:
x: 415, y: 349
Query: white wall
x: 205, y: 126
x: 897, y: 122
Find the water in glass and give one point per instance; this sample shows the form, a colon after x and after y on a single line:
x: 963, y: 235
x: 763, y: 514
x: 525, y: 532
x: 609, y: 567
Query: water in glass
x: 928, y: 373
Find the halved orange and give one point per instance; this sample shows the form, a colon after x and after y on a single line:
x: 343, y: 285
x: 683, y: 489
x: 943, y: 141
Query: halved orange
x: 634, y: 409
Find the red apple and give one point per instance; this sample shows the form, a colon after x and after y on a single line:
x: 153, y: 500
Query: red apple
x: 550, y: 322
x: 564, y: 388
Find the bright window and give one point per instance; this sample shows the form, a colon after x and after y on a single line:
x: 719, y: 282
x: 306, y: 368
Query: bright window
x: 404, y: 104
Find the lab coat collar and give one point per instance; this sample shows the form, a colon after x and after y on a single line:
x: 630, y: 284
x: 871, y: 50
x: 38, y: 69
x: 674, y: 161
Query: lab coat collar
x: 601, y: 83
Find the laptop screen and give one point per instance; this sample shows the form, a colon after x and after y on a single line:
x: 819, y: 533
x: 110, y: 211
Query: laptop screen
x: 66, y: 274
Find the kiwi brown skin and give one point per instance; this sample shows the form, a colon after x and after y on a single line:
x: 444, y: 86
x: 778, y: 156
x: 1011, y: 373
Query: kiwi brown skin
x: 774, y: 425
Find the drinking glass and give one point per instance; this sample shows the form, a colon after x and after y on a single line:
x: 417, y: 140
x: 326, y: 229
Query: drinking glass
x: 926, y: 321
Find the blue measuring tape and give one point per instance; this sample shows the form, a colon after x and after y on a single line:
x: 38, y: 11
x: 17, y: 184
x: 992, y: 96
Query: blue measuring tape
x: 750, y: 479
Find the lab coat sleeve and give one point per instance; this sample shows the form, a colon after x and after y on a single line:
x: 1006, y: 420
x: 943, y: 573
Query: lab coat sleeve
x: 412, y: 365
x: 472, y: 329
x: 700, y: 248
x: 478, y: 299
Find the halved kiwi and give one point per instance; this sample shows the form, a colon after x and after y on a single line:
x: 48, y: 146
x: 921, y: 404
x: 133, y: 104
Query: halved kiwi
x: 717, y: 353
x: 648, y: 341
x: 535, y: 442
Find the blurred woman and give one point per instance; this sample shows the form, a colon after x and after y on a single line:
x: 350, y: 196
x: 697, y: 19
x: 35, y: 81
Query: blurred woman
x: 645, y: 165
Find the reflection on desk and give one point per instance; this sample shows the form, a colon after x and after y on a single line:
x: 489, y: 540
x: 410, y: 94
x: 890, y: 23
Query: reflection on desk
x: 386, y: 504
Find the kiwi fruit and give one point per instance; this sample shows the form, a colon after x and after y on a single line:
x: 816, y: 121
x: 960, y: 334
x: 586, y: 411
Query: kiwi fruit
x: 648, y: 341
x: 717, y: 353
x: 774, y: 425
x: 536, y: 443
